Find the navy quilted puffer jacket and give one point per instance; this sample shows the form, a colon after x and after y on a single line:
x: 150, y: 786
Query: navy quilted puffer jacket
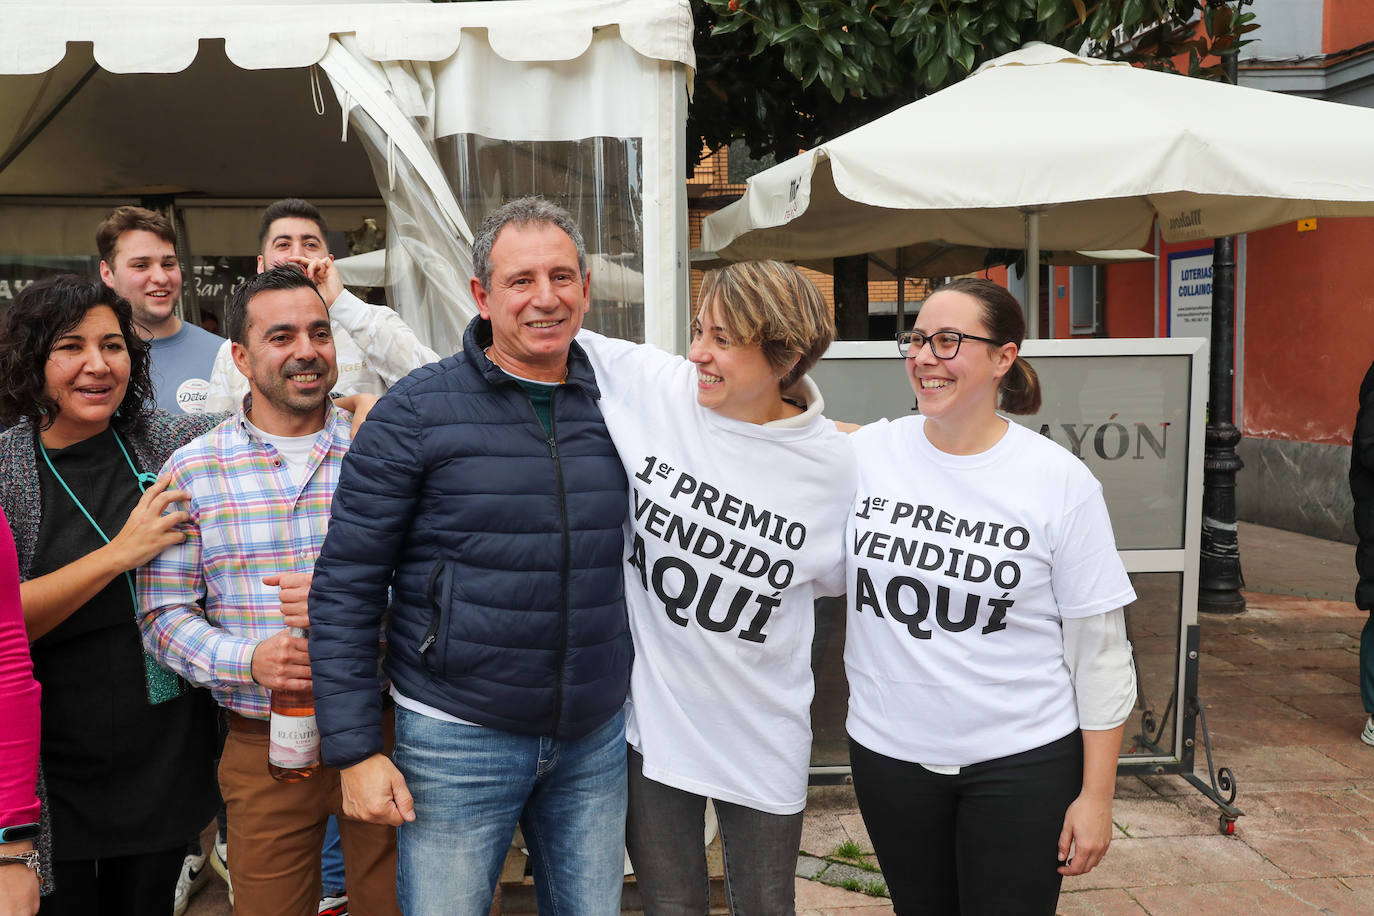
x: 501, y: 544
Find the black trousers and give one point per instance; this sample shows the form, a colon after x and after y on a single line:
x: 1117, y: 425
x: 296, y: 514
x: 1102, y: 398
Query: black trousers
x: 980, y: 843
x: 141, y: 885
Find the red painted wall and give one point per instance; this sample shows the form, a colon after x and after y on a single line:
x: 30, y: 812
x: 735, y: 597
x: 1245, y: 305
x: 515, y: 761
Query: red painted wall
x: 1309, y: 324
x: 1130, y: 293
x: 1062, y: 315
x: 1129, y: 308
x: 1309, y: 329
x: 1346, y: 23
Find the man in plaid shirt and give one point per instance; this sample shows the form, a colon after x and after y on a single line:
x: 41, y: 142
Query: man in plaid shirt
x: 261, y: 484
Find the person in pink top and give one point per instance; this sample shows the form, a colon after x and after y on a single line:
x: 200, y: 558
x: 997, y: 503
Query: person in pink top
x: 19, y: 694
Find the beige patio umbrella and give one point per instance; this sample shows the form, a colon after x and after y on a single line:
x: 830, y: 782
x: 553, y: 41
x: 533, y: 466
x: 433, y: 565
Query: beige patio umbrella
x: 1044, y: 149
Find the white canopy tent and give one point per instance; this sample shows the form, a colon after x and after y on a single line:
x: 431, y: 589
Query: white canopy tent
x: 440, y: 110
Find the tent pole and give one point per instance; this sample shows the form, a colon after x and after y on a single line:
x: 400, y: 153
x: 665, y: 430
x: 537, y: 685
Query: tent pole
x: 901, y: 291
x: 1032, y: 218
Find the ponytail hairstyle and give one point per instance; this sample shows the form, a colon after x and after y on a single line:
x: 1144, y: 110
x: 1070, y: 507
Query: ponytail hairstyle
x: 1019, y: 389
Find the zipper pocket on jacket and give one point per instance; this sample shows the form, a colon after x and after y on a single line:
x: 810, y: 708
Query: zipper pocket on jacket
x: 436, y: 617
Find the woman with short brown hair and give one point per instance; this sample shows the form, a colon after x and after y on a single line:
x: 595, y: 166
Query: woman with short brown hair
x: 739, y: 492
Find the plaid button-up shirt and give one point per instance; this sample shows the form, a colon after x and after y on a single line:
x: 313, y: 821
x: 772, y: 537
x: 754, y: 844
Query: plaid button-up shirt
x: 248, y: 520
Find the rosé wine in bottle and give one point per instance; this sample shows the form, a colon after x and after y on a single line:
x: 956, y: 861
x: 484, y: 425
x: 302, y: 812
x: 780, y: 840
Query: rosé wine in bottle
x: 293, y: 750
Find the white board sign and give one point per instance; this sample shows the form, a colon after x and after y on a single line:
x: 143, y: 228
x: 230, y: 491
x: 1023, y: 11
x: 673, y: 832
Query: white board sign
x: 1190, y: 293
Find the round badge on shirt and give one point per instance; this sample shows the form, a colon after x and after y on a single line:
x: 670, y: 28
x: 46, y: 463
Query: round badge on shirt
x: 192, y: 395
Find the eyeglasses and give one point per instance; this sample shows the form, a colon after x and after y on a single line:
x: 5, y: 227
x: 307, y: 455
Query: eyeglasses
x: 944, y: 344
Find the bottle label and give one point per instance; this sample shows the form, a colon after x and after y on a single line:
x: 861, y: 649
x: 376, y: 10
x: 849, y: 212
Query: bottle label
x: 294, y: 743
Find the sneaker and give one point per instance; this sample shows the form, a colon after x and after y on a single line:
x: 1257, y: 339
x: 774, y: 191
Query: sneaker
x: 332, y: 905
x: 1367, y: 736
x: 219, y: 862
x: 193, y: 876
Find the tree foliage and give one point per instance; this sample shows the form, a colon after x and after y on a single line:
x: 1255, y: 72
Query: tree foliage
x: 785, y: 75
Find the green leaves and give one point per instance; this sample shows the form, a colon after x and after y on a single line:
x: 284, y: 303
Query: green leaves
x: 787, y: 74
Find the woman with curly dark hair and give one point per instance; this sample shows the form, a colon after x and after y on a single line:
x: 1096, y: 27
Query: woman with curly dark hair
x: 126, y: 748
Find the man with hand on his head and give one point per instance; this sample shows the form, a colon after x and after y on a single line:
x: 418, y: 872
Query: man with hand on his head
x: 375, y: 347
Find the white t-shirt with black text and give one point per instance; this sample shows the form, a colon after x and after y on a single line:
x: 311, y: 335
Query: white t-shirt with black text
x: 734, y: 530
x: 959, y: 571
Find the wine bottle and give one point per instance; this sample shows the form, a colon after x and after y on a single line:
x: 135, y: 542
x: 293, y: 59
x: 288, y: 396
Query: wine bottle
x: 293, y: 749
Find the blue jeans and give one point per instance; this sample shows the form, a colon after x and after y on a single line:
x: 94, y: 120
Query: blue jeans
x: 472, y: 785
x: 332, y: 861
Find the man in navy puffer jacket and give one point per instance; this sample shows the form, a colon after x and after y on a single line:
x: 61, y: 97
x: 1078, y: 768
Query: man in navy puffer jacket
x: 485, y: 493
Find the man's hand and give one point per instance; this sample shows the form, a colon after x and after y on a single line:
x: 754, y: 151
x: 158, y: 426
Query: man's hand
x: 294, y: 591
x: 18, y: 885
x: 322, y: 273
x: 375, y: 791
x: 282, y: 662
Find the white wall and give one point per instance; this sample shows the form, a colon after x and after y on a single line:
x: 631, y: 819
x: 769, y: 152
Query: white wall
x: 1288, y: 28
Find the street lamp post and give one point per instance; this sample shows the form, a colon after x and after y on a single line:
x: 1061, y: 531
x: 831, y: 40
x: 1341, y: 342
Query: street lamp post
x: 1219, y: 575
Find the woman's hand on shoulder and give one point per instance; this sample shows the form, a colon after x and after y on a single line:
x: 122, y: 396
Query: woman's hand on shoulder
x: 846, y: 427
x: 1086, y: 835
x: 148, y: 531
x: 360, y: 405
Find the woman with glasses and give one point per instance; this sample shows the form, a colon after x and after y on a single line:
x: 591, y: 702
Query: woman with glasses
x: 989, y: 672
x: 739, y: 491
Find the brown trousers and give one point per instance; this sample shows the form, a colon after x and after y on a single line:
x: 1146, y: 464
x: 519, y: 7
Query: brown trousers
x: 276, y: 830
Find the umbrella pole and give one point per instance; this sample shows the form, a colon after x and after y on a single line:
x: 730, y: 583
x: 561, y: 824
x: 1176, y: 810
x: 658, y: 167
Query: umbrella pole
x: 1032, y: 218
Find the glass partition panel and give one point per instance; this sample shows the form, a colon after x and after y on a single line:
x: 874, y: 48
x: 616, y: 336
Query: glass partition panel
x: 1153, y: 626
x: 599, y: 180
